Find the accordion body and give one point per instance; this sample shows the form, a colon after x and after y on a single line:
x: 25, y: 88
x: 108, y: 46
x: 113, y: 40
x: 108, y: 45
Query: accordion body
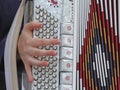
x: 88, y: 57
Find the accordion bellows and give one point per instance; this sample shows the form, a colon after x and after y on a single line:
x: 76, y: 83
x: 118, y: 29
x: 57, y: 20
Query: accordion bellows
x: 99, y: 56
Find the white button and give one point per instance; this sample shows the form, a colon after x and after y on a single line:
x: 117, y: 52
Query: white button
x: 37, y: 17
x: 37, y: 11
x: 67, y: 40
x: 41, y: 13
x: 66, y: 52
x: 65, y: 87
x: 67, y: 28
x: 41, y: 19
x: 65, y: 65
x: 65, y: 78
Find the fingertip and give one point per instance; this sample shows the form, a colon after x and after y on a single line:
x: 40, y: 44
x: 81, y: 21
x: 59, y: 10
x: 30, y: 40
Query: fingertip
x: 44, y: 63
x: 30, y: 79
x: 59, y: 41
x: 52, y: 53
x: 33, y: 25
x: 29, y: 73
x: 56, y: 41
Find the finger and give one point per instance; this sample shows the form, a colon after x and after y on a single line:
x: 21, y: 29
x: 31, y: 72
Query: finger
x: 32, y: 25
x: 39, y: 52
x: 29, y: 73
x: 35, y: 62
x: 44, y: 42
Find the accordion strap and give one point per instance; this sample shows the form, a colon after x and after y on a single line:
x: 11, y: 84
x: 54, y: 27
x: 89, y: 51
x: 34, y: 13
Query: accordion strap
x: 10, y: 50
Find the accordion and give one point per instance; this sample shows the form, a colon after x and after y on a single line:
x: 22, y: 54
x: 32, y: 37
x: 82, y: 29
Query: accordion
x: 88, y: 56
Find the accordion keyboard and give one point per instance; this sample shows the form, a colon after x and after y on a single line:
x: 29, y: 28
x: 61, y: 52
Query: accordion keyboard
x: 46, y: 77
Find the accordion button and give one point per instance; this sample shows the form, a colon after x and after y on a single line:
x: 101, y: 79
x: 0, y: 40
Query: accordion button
x: 37, y: 6
x: 43, y: 84
x: 45, y: 12
x: 52, y: 17
x: 55, y: 36
x: 43, y: 78
x: 54, y: 75
x: 37, y: 33
x: 44, y: 22
x: 41, y: 14
x: 50, y: 72
x: 46, y: 87
x: 39, y: 80
x: 48, y: 19
x: 39, y: 75
x: 67, y: 28
x: 37, y: 11
x: 55, y: 25
x: 54, y: 81
x: 47, y: 69
x: 48, y: 14
x: 66, y: 65
x: 52, y: 22
x: 54, y: 70
x: 56, y: 20
x: 41, y: 9
x: 67, y: 40
x: 35, y: 83
x: 54, y: 87
x: 65, y: 78
x: 48, y: 25
x: 46, y: 80
x: 50, y: 66
x: 39, y: 86
x: 55, y: 48
x: 47, y: 36
x: 47, y: 75
x: 67, y: 53
x: 52, y: 33
x: 40, y: 19
x: 37, y: 17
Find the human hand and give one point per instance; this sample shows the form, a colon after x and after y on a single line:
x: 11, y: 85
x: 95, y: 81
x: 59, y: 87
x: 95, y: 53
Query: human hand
x: 27, y: 48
